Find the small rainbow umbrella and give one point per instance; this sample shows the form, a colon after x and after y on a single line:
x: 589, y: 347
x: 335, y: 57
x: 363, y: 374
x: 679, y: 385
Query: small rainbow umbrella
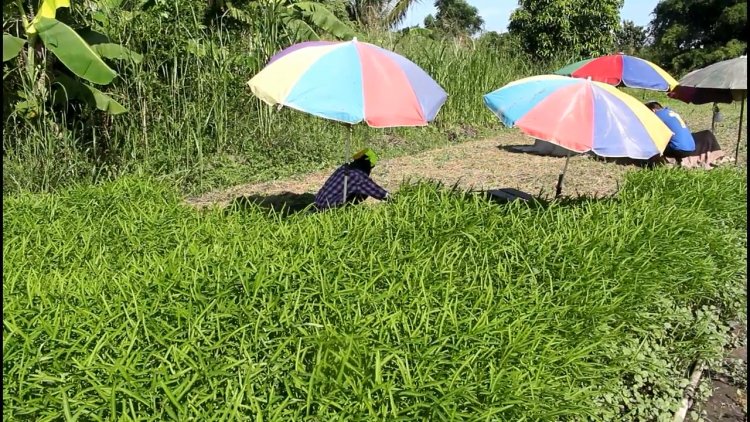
x: 350, y: 82
x: 621, y: 70
x: 580, y: 115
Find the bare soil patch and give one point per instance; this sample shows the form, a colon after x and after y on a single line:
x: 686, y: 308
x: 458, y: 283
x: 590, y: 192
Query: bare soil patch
x: 728, y: 386
x: 489, y: 164
x: 475, y: 165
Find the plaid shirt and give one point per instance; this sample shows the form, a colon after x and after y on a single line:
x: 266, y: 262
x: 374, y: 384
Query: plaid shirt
x: 358, y: 185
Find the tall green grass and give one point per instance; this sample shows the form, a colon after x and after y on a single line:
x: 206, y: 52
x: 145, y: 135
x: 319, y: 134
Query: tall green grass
x: 193, y: 120
x: 120, y: 301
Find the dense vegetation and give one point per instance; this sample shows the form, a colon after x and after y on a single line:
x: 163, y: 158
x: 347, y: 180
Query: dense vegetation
x: 190, y: 115
x: 179, y: 108
x: 120, y: 300
x: 585, y: 28
x: 690, y: 34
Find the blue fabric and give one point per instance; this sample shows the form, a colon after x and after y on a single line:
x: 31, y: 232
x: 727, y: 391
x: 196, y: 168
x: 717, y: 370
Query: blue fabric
x: 682, y: 140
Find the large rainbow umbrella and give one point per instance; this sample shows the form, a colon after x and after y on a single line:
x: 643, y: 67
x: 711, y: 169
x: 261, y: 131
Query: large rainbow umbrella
x: 580, y: 115
x: 350, y: 82
x: 621, y: 70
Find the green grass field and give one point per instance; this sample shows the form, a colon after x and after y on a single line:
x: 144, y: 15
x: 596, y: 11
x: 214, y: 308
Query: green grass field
x: 120, y: 302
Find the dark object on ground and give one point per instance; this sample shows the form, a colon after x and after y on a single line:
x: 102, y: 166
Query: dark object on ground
x: 286, y: 203
x: 707, y: 152
x: 508, y: 195
x: 541, y: 147
x: 728, y: 401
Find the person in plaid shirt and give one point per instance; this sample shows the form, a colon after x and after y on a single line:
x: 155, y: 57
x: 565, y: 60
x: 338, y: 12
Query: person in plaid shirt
x: 359, y: 185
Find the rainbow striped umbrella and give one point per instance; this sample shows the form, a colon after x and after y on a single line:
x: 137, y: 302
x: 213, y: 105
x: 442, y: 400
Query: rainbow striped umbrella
x: 350, y: 82
x: 580, y: 115
x: 621, y: 70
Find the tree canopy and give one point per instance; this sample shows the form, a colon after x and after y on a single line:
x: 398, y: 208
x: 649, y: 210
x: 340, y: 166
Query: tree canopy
x: 691, y: 34
x: 630, y: 38
x: 548, y: 29
x: 455, y: 17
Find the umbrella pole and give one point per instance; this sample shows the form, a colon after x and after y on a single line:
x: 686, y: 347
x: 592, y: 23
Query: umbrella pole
x: 713, y: 119
x: 346, y: 160
x: 558, y: 189
x: 739, y: 130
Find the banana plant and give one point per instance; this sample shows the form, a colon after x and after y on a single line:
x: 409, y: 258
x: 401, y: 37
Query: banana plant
x: 44, y: 32
x: 303, y: 20
x: 301, y: 17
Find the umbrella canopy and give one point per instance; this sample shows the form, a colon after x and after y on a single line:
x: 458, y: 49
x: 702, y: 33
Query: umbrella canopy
x: 721, y: 82
x: 621, y: 70
x: 580, y: 115
x: 350, y: 82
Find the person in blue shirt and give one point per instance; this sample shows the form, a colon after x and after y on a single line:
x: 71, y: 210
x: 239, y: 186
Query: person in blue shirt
x: 681, y: 144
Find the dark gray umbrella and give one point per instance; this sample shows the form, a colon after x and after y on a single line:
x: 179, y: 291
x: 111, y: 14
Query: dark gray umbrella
x: 721, y: 82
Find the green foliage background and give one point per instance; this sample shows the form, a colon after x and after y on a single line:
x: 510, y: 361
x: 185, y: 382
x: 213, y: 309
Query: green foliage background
x: 190, y: 118
x: 577, y: 28
x: 692, y: 34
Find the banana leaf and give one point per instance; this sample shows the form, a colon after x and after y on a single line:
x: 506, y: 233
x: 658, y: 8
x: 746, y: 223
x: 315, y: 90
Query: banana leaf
x: 67, y: 88
x: 92, y: 37
x: 323, y: 18
x: 11, y: 46
x: 74, y: 52
x: 101, y: 44
x: 116, y: 52
x: 299, y: 29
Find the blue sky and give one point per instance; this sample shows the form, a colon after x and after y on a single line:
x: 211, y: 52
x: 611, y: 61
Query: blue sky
x: 496, y: 12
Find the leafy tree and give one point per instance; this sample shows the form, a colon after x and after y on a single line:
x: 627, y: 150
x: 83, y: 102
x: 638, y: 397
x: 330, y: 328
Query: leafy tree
x: 630, y: 38
x: 455, y: 17
x: 580, y: 28
x: 339, y: 8
x: 692, y: 34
